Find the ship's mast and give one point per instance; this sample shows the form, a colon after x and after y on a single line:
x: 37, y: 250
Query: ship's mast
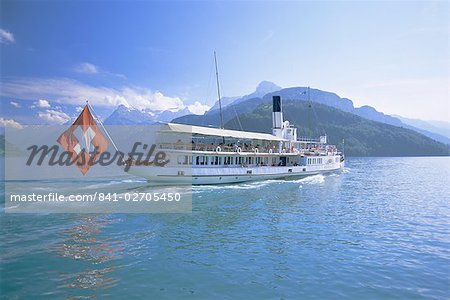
x: 218, y: 91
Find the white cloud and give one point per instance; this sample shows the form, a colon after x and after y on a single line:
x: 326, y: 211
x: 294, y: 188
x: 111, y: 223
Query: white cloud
x: 86, y: 68
x: 15, y: 104
x: 73, y: 92
x: 10, y: 123
x: 42, y: 104
x: 6, y: 37
x: 145, y: 99
x: 198, y: 108
x: 78, y: 109
x: 54, y: 116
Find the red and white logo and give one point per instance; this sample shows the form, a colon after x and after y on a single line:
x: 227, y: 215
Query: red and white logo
x: 84, y: 141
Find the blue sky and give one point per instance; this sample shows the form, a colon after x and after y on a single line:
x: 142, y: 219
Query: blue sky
x: 390, y: 55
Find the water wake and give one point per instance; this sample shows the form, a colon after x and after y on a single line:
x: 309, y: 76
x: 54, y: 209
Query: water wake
x: 314, y: 179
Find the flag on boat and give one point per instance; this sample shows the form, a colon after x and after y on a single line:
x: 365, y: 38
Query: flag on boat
x: 84, y: 141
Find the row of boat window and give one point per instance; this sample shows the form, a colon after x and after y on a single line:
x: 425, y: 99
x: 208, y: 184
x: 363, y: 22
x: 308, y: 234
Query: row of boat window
x: 239, y: 160
x: 227, y: 160
x: 315, y: 161
x: 319, y: 160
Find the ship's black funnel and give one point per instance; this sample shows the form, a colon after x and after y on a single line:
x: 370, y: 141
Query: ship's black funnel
x: 276, y: 103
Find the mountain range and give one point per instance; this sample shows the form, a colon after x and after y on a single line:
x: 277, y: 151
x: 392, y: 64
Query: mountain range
x: 211, y: 118
x: 367, y: 131
x: 236, y: 111
x: 130, y: 116
x: 263, y: 94
x: 362, y: 137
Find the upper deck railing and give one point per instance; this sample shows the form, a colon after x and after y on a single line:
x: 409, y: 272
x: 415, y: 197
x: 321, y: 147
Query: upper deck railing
x: 308, y: 139
x: 246, y: 149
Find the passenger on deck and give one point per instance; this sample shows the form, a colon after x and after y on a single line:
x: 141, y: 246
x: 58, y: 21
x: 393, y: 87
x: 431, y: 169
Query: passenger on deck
x: 179, y: 144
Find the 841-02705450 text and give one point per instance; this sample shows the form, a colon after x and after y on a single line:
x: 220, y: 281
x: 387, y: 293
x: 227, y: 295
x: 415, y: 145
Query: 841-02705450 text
x: 97, y: 197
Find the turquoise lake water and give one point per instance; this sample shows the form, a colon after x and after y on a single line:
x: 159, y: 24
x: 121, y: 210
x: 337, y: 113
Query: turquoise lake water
x: 378, y: 230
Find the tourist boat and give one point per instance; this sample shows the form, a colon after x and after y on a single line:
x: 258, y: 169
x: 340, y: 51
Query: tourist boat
x: 217, y: 155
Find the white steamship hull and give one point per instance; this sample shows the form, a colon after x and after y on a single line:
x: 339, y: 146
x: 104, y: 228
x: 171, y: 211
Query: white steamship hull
x: 221, y: 175
x: 217, y: 155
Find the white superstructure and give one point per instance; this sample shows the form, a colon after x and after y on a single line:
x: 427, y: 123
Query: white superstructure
x: 217, y: 155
